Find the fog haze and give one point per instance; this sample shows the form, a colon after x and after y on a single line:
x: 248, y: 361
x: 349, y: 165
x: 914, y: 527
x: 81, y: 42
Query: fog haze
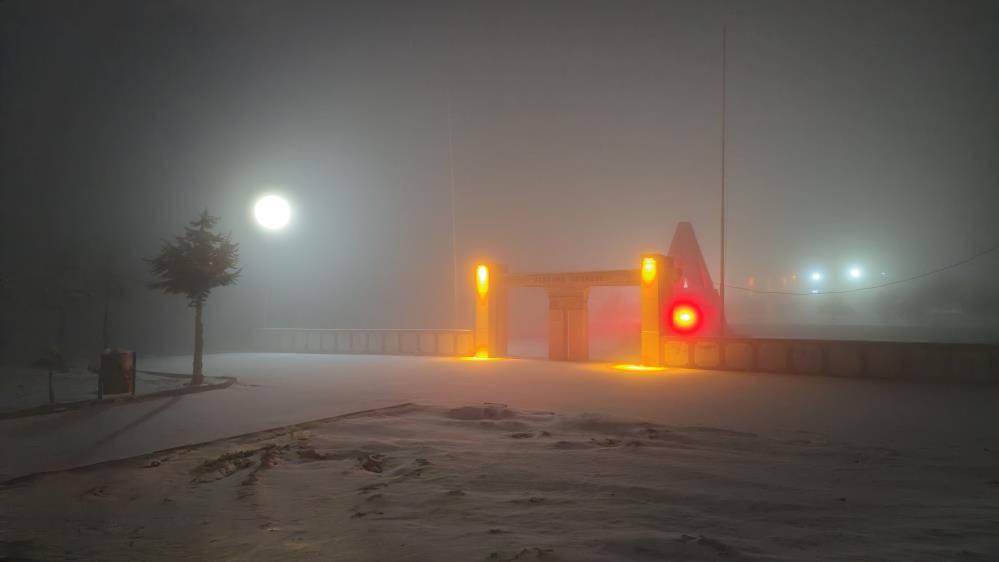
x: 576, y: 135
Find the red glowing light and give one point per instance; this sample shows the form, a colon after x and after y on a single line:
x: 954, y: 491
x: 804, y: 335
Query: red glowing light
x: 685, y: 317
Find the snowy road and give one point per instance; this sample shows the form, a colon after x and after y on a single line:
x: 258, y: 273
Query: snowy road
x: 282, y: 389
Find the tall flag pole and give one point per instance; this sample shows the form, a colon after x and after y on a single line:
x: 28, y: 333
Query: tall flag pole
x: 721, y: 282
x: 454, y: 253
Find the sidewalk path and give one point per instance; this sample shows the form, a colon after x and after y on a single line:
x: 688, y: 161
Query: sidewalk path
x: 24, y: 388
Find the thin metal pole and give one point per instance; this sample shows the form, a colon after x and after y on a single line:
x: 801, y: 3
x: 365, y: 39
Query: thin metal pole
x: 721, y: 283
x: 454, y: 254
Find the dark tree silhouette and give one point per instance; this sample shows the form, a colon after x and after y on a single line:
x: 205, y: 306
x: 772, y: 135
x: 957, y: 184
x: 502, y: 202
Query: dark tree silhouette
x: 192, y: 265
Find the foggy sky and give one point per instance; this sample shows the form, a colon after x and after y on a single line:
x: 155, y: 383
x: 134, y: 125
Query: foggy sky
x: 858, y: 132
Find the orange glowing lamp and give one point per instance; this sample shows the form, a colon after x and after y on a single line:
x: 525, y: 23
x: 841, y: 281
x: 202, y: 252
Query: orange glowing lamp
x: 685, y: 318
x: 482, y: 280
x: 648, y: 270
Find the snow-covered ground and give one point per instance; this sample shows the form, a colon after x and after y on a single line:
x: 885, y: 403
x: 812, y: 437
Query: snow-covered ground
x: 876, y: 412
x: 282, y: 389
x: 493, y: 483
x: 591, y: 463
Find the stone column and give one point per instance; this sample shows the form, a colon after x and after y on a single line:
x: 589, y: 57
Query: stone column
x: 656, y: 282
x: 568, y: 338
x: 490, y: 310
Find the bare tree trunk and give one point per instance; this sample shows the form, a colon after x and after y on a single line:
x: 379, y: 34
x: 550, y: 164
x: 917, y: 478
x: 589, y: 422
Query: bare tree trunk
x: 199, y: 345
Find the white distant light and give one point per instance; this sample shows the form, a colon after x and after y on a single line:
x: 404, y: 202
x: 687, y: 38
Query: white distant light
x: 816, y: 276
x: 856, y: 273
x: 272, y: 212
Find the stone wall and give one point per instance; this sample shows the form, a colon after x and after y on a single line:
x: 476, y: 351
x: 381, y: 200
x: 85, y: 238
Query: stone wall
x: 371, y: 342
x: 883, y: 360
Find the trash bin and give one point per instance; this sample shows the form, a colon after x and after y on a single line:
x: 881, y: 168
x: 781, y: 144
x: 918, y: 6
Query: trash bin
x: 117, y: 372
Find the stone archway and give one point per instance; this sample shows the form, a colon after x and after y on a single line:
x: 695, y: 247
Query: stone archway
x: 568, y: 296
x: 568, y: 300
x: 681, y: 275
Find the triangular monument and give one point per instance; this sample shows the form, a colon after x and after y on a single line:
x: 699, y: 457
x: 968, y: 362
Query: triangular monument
x: 694, y: 283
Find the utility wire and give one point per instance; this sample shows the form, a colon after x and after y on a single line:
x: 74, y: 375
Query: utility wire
x: 872, y: 287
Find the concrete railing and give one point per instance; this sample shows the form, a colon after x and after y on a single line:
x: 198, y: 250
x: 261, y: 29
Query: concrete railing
x: 885, y: 360
x: 373, y: 342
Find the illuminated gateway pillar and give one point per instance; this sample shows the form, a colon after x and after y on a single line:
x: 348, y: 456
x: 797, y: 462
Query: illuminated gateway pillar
x: 490, y: 310
x: 656, y: 281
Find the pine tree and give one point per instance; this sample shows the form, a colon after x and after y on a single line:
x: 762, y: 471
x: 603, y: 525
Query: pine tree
x: 192, y: 265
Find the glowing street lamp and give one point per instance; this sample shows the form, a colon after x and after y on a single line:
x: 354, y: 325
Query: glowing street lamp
x: 816, y: 276
x: 272, y: 212
x: 856, y: 273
